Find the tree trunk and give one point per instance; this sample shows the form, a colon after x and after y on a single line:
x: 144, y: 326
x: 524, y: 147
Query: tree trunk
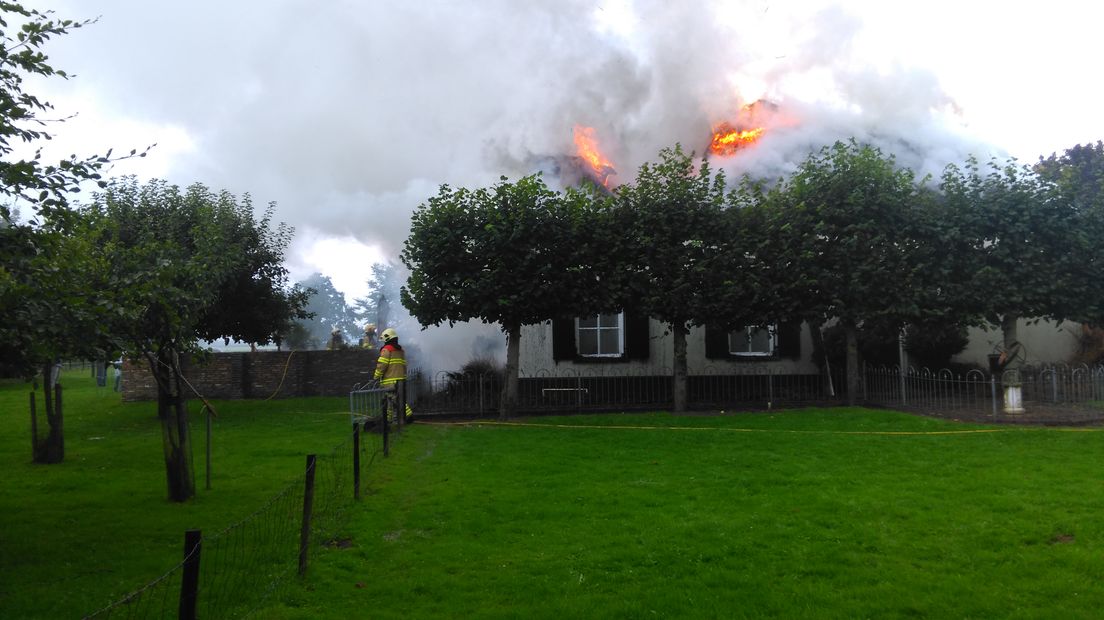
x: 679, y: 331
x: 51, y: 449
x: 508, y: 403
x: 172, y: 410
x: 853, y: 382
x: 815, y: 329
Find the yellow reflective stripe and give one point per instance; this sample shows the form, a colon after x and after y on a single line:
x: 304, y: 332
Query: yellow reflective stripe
x: 391, y: 380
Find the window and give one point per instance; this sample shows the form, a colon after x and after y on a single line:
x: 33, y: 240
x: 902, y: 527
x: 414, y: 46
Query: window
x: 752, y: 341
x: 601, y: 335
x: 600, y: 341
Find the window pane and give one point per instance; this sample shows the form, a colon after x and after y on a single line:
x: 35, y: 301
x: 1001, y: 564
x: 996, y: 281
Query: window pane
x: 760, y: 341
x: 610, y: 341
x: 738, y: 341
x: 609, y: 320
x: 588, y: 342
x: 588, y: 321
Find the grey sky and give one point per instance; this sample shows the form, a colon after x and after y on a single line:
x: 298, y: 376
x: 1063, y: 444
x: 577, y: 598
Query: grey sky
x: 350, y: 114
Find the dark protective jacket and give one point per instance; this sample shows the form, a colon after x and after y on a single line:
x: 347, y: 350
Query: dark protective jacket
x: 391, y: 364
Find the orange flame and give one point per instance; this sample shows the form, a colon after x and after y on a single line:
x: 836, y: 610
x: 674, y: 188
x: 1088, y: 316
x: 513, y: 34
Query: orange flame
x: 586, y: 146
x: 728, y: 139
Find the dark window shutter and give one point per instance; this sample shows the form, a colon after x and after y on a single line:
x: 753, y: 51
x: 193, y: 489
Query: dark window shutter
x: 716, y: 343
x: 789, y: 340
x: 637, y: 338
x: 563, y: 339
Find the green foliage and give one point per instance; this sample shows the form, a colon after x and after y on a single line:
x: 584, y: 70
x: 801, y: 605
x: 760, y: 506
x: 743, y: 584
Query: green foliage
x: 49, y: 284
x: 675, y: 238
x: 929, y: 344
x: 1079, y: 178
x: 197, y: 264
x: 515, y: 253
x: 327, y: 310
x: 850, y: 235
x: 932, y: 344
x: 1078, y: 173
x: 193, y: 265
x: 46, y: 276
x: 1009, y: 233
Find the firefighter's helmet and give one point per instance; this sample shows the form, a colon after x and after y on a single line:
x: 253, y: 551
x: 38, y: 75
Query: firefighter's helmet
x: 389, y: 334
x: 370, y: 328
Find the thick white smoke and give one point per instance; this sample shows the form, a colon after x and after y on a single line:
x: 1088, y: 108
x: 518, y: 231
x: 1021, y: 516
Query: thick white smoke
x: 350, y: 114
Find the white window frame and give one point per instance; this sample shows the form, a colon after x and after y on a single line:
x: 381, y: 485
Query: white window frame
x: 748, y: 330
x: 598, y: 329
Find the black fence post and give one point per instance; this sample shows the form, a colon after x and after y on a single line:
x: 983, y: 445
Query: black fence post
x: 208, y: 410
x: 308, y: 505
x: 384, y: 406
x: 189, y: 585
x: 356, y: 461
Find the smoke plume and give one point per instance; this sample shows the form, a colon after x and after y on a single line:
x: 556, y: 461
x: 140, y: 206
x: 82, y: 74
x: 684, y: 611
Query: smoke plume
x: 349, y: 115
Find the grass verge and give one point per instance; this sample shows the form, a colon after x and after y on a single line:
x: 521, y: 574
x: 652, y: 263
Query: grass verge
x: 810, y: 513
x: 836, y: 513
x: 81, y: 534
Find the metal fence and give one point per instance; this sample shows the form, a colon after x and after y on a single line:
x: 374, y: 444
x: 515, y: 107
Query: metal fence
x: 975, y: 392
x: 478, y: 394
x: 1048, y: 391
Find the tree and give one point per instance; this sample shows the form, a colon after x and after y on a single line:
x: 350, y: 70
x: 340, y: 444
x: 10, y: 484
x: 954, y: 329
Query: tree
x: 195, y: 265
x: 42, y: 184
x: 850, y: 230
x: 383, y: 290
x: 1078, y: 173
x: 672, y: 217
x: 511, y: 254
x: 1078, y: 176
x: 1011, y: 234
x: 327, y: 310
x: 48, y: 291
x: 48, y: 301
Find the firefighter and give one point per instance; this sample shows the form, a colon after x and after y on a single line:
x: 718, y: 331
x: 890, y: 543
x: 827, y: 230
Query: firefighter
x: 337, y: 341
x: 369, y: 340
x: 391, y: 370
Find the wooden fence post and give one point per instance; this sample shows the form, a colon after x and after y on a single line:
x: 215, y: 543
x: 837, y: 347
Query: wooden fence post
x: 308, y: 504
x: 189, y: 584
x: 34, y: 430
x: 207, y: 410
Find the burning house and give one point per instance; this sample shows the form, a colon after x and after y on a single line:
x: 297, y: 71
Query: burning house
x: 628, y: 344
x: 623, y: 346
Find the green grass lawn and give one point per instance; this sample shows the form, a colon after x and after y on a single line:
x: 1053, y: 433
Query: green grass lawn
x: 814, y: 513
x: 799, y: 514
x: 79, y: 535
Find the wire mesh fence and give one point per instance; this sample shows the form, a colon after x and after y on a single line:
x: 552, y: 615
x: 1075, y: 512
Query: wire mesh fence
x: 242, y: 565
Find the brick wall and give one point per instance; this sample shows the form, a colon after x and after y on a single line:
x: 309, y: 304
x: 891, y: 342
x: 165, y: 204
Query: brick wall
x: 262, y: 374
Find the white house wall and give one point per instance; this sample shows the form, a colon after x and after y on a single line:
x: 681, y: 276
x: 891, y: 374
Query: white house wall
x: 1044, y: 341
x: 536, y: 356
